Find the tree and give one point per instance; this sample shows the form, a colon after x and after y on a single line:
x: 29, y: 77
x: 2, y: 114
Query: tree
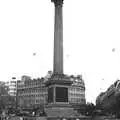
x: 90, y: 107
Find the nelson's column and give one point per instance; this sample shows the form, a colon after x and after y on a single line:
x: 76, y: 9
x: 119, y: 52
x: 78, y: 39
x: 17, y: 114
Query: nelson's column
x: 58, y: 84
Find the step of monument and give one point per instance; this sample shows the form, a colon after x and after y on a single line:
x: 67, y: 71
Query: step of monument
x: 61, y: 113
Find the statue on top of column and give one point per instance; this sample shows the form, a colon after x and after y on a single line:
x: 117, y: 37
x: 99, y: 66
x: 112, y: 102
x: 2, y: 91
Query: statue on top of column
x: 57, y: 2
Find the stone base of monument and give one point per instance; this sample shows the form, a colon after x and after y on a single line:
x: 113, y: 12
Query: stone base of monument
x: 55, y: 111
x: 58, y: 98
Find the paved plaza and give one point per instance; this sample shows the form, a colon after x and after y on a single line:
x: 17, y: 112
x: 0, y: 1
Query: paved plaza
x: 82, y: 118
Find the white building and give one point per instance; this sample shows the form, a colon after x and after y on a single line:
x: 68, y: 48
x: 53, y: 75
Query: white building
x: 12, y: 84
x: 77, y: 90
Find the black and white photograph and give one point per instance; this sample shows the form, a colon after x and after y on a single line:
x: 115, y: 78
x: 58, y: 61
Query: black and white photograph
x: 59, y: 59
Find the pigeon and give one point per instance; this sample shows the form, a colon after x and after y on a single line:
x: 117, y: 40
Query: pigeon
x: 113, y: 50
x: 34, y: 54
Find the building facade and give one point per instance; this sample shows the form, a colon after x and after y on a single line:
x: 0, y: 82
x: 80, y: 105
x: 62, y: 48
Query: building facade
x: 12, y: 85
x: 31, y: 93
x: 108, y: 98
x: 3, y: 89
x: 77, y: 90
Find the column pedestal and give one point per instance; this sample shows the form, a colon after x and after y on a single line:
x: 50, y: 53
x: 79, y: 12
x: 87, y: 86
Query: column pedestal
x: 59, y: 107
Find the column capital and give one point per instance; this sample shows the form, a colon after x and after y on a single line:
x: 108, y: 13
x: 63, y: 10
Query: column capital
x: 57, y: 2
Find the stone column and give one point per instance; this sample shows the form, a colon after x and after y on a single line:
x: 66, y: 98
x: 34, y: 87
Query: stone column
x: 58, y: 38
x: 54, y: 94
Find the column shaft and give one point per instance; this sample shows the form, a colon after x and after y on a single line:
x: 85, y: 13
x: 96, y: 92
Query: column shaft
x: 58, y: 41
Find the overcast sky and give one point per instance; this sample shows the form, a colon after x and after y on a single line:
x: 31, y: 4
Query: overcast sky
x: 91, y: 40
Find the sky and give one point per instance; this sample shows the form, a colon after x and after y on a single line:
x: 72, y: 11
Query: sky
x: 91, y: 40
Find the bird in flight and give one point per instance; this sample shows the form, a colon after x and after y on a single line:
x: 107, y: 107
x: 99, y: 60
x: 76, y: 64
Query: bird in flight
x: 34, y: 54
x: 113, y: 50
